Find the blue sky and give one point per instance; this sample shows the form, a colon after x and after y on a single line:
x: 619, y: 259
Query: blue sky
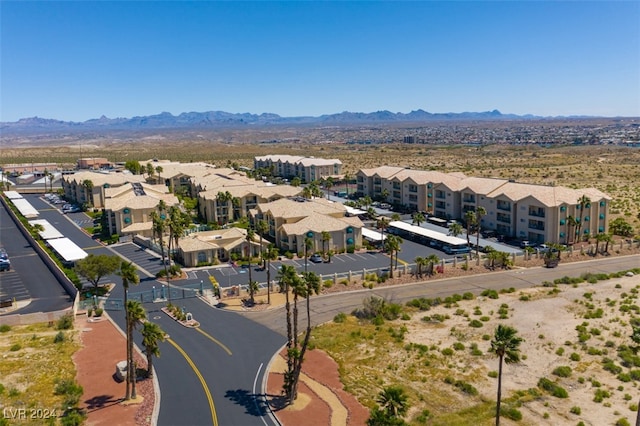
x: 78, y: 60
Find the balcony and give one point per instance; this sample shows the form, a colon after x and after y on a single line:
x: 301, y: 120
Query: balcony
x: 504, y: 206
x: 504, y: 218
x: 536, y: 224
x: 536, y: 212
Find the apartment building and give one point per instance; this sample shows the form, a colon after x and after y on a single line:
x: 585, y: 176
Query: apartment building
x: 308, y: 169
x: 536, y: 213
x: 89, y: 186
x: 226, y: 195
x: 324, y: 222
x: 211, y: 247
x: 128, y: 207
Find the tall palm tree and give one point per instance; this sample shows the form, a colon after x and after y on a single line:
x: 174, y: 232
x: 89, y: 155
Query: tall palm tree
x: 572, y: 224
x: 583, y: 202
x: 129, y: 276
x: 152, y: 334
x: 236, y: 202
x: 506, y: 346
x: 222, y: 201
x: 271, y: 253
x: 311, y: 281
x: 88, y: 190
x: 393, y: 401
x: 347, y: 178
x: 382, y: 223
x: 470, y: 220
x: 326, y: 237
x: 136, y: 315
x: 159, y: 170
x: 249, y: 238
x: 328, y: 183
x: 419, y: 262
x: 480, y: 213
x: 159, y: 226
x: 262, y: 227
x: 392, y: 245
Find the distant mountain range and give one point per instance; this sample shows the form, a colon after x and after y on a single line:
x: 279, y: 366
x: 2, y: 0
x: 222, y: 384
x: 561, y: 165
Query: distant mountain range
x: 221, y: 119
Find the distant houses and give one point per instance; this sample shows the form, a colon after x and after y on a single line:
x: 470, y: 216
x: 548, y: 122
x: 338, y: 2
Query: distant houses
x: 307, y: 169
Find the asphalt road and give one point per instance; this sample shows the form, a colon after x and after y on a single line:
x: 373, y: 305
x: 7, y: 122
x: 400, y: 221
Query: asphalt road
x: 324, y: 308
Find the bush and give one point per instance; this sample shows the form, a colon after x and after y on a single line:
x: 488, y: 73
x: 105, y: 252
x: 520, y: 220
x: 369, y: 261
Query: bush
x: 493, y: 374
x: 562, y: 371
x: 574, y: 357
x: 491, y: 294
x: 99, y: 312
x: 511, y: 413
x: 60, y: 337
x: 575, y: 410
x: 475, y: 323
x: 65, y: 322
x: 600, y: 395
x: 5, y: 328
x: 340, y: 318
x: 623, y: 422
x: 552, y: 388
x: 15, y: 347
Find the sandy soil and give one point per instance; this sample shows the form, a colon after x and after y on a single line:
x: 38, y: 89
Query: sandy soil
x: 547, y: 322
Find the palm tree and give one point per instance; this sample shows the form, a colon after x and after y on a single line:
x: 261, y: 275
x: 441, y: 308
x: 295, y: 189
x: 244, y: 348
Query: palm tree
x: 222, y: 200
x: 249, y: 237
x: 382, y: 224
x: 88, y: 190
x: 262, y: 227
x: 328, y: 183
x: 152, y: 334
x: 393, y: 401
x: 572, y: 223
x: 419, y: 262
x: 347, y: 178
x: 432, y: 260
x: 326, y: 237
x: 470, y: 220
x: 418, y: 218
x: 159, y: 226
x: 607, y: 240
x: 455, y: 229
x: 395, y: 217
x: 237, y: 205
x: 384, y: 194
x: 128, y: 275
x: 271, y: 253
x: 306, y: 192
x: 136, y: 315
x: 159, y: 170
x: 583, y: 202
x: 506, y: 346
x: 480, y: 212
x: 150, y: 170
x: 391, y: 245
x: 601, y: 238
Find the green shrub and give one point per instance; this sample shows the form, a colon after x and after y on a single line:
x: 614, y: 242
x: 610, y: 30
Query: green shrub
x: 562, y: 371
x: 447, y: 352
x: 65, y: 322
x: 466, y: 387
x: 5, y: 328
x: 511, y: 413
x: 60, y: 337
x: 623, y: 422
x: 575, y: 410
x: 552, y: 388
x: 491, y: 294
x: 574, y: 357
x: 475, y: 323
x: 15, y: 347
x: 458, y: 346
x: 340, y: 318
x: 600, y: 395
x: 492, y: 374
x: 99, y: 312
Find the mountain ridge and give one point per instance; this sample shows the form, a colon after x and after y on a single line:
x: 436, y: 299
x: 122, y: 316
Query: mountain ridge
x: 219, y: 119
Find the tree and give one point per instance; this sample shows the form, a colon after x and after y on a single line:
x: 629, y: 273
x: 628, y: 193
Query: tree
x: 152, y: 334
x: 572, y: 223
x: 455, y: 229
x: 328, y: 184
x: 470, y: 220
x: 432, y: 260
x: 133, y: 166
x: 296, y: 182
x: 326, y: 237
x: 271, y: 253
x: 136, y: 315
x: 288, y: 278
x: 94, y: 267
x: 262, y: 227
x: 583, y: 202
x: 159, y: 170
x: 393, y: 401
x: 506, y: 346
x: 621, y: 227
x: 418, y: 218
x: 382, y: 224
x: 249, y: 238
x: 419, y: 263
x: 159, y: 225
x: 236, y: 203
x: 222, y: 206
x: 129, y: 276
x: 306, y: 192
x: 480, y: 213
x: 347, y: 179
x: 88, y: 190
x: 392, y: 245
x: 149, y: 170
x: 310, y: 285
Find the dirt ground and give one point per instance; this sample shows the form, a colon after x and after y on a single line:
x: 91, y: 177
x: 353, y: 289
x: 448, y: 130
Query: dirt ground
x: 102, y: 347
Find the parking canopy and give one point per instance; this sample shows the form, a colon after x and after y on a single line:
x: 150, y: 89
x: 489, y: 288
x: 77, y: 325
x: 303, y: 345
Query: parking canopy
x: 48, y: 232
x: 372, y: 235
x: 67, y: 249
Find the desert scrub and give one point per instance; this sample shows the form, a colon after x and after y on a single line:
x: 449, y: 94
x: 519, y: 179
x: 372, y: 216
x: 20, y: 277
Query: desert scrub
x: 552, y: 388
x: 562, y: 371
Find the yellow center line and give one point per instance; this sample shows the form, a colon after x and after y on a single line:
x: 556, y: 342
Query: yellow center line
x: 216, y: 341
x: 214, y: 417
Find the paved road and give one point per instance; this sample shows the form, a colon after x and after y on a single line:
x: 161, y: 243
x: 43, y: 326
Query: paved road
x: 324, y: 308
x: 29, y: 277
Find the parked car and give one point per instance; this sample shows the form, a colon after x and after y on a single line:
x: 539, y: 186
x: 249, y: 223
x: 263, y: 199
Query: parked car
x: 5, y: 265
x: 543, y: 248
x: 316, y: 258
x: 525, y: 244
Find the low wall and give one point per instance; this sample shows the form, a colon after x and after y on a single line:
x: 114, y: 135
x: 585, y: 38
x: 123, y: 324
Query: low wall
x: 53, y: 266
x: 33, y: 318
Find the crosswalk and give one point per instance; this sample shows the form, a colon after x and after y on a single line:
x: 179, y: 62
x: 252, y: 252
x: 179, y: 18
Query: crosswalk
x: 12, y: 285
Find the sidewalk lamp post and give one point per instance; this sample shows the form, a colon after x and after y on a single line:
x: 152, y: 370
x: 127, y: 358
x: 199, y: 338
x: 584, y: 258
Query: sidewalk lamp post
x: 153, y: 293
